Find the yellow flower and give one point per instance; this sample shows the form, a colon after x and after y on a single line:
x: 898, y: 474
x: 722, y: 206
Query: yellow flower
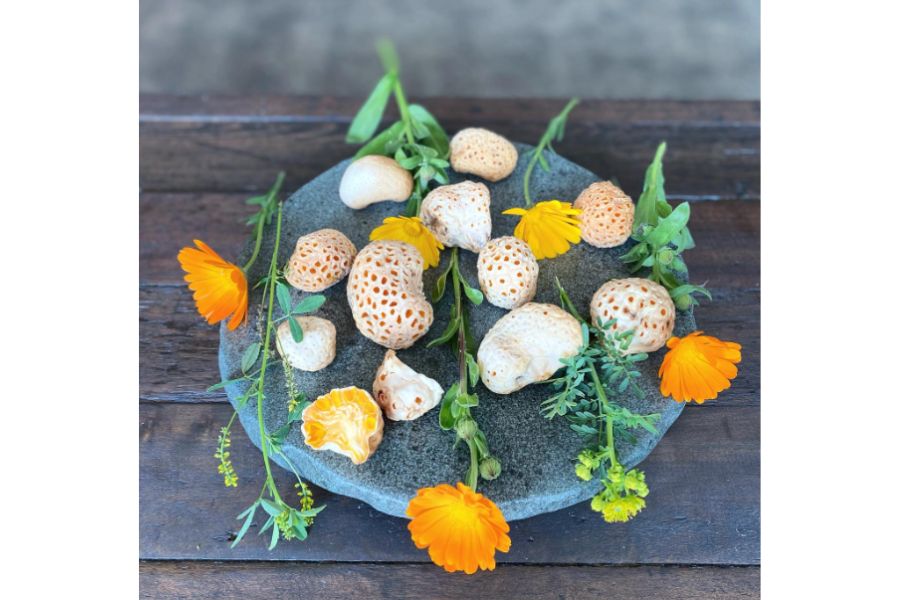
x: 461, y: 529
x: 619, y: 509
x: 697, y: 367
x: 548, y: 227
x: 220, y: 287
x: 412, y: 231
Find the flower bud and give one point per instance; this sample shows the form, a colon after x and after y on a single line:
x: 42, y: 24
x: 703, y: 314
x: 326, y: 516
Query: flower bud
x: 490, y: 468
x: 684, y: 302
x: 466, y: 429
x: 665, y: 256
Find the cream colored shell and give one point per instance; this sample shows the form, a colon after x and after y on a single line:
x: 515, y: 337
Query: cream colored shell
x: 526, y: 345
x: 459, y: 214
x: 607, y: 215
x: 372, y: 179
x: 386, y: 295
x: 507, y: 272
x: 482, y: 152
x: 320, y: 260
x: 315, y: 351
x: 636, y: 304
x: 402, y: 393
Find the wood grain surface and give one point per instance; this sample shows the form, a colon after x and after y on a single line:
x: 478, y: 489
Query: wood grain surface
x: 698, y: 536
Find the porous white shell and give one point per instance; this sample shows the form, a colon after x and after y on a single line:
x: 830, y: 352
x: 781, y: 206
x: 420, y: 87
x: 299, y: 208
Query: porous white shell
x: 403, y: 393
x: 372, y: 179
x: 386, y: 295
x: 320, y: 260
x: 315, y: 351
x: 507, y: 272
x: 636, y: 304
x: 459, y: 214
x: 607, y: 214
x: 526, y: 345
x: 482, y: 152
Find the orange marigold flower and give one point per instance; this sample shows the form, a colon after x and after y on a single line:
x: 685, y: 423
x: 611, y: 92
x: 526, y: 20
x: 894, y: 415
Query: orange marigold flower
x: 548, y: 227
x: 412, y: 231
x: 697, y: 367
x: 461, y: 529
x: 220, y: 287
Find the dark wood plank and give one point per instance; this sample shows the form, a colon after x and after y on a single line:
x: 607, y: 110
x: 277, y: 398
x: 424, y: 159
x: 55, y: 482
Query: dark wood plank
x: 238, y: 144
x: 727, y: 235
x: 195, y: 580
x: 703, y: 507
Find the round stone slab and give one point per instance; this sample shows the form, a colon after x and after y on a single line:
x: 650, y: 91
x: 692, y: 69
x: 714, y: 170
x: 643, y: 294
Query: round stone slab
x: 537, y: 454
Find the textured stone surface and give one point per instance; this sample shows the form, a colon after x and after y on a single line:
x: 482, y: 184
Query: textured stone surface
x: 537, y: 454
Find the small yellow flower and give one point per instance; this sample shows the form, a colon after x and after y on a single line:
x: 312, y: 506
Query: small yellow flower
x: 697, y: 367
x: 620, y: 509
x: 412, y: 231
x: 461, y: 528
x: 220, y: 287
x: 548, y: 227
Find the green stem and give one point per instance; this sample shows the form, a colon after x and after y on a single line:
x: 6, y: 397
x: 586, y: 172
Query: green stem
x: 260, y: 394
x: 472, y: 476
x: 542, y: 145
x: 260, y: 225
x: 400, y: 97
x: 602, y: 402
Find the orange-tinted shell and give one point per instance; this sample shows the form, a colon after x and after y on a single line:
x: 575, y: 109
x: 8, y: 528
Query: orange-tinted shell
x: 345, y: 420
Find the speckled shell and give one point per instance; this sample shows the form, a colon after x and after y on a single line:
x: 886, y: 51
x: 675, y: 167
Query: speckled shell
x: 507, y: 272
x: 607, y: 215
x: 482, y: 152
x: 320, y: 260
x: 386, y: 295
x: 526, y: 345
x: 459, y: 214
x: 636, y: 304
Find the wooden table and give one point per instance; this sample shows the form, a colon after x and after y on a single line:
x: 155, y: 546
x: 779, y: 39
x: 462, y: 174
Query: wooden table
x: 698, y: 536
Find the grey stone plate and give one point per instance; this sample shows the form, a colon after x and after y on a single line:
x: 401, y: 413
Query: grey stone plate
x: 537, y: 454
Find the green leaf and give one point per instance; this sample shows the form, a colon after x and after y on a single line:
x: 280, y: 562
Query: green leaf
x: 222, y: 384
x: 472, y: 367
x: 646, y: 211
x: 274, y: 541
x: 308, y: 304
x: 270, y: 507
x: 283, y: 295
x: 474, y: 295
x: 467, y: 400
x: 668, y: 228
x: 437, y: 133
x: 296, y: 330
x: 381, y: 142
x: 247, y: 515
x: 542, y: 160
x: 369, y: 116
x: 248, y: 359
x: 446, y: 416
x: 440, y: 286
x: 449, y: 332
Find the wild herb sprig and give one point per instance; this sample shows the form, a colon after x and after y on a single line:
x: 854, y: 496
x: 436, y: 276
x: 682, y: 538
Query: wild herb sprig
x: 554, y: 133
x: 417, y: 141
x: 584, y: 401
x: 662, y: 235
x: 458, y: 401
x: 285, y: 521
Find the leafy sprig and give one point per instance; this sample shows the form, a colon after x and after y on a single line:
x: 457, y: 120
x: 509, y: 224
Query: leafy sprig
x: 285, y: 521
x: 458, y: 401
x: 554, y: 133
x: 662, y: 235
x: 583, y: 400
x: 417, y: 141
